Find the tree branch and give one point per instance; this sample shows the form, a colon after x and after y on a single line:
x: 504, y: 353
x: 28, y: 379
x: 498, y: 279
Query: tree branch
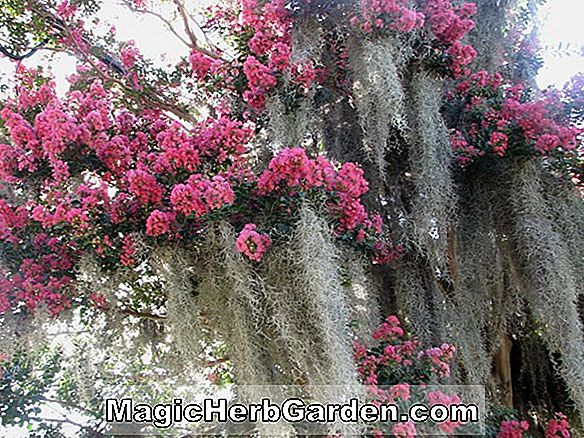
x: 194, y: 42
x: 150, y: 100
x: 67, y: 405
x: 185, y: 19
x: 143, y: 315
x: 94, y: 433
x: 168, y: 24
x: 28, y: 54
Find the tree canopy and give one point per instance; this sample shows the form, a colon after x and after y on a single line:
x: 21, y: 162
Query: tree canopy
x: 253, y: 213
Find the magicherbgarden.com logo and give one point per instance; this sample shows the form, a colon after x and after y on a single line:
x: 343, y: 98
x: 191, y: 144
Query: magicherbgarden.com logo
x: 294, y: 411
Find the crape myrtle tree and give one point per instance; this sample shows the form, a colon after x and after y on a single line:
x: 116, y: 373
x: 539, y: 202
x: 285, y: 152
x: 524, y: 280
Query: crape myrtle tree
x: 306, y: 168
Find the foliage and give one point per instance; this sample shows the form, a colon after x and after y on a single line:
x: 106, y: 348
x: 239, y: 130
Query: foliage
x: 25, y: 377
x: 103, y: 175
x: 501, y: 120
x: 396, y: 369
x: 441, y: 26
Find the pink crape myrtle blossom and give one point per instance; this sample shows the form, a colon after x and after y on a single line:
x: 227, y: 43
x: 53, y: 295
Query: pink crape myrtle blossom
x: 558, y: 427
x: 404, y: 430
x: 445, y: 25
x: 512, y: 429
x: 499, y: 143
x: 145, y: 187
x: 109, y: 174
x: 251, y: 243
x: 439, y: 398
x: 159, y: 223
x: 265, y: 55
x: 508, y: 124
x: 393, y: 361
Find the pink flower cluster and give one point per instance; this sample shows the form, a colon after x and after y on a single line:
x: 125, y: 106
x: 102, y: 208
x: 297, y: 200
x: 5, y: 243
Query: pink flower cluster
x: 512, y: 429
x: 128, y: 251
x: 399, y: 349
x: 261, y: 79
x: 439, y: 358
x: 30, y: 94
x: 396, y: 15
x: 47, y: 278
x: 396, y: 348
x: 144, y: 186
x: 464, y: 151
x: 159, y: 223
x: 439, y: 398
x: 66, y: 10
x: 179, y: 149
x: 446, y: 25
x: 98, y: 301
x: 12, y: 219
x: 44, y: 279
x: 203, y: 65
x: 498, y: 112
x: 130, y: 55
x: 251, y: 243
x: 292, y: 171
x: 198, y: 195
x: 558, y: 427
x: 499, y: 142
x: 449, y: 25
x: 223, y: 138
x: 265, y: 54
x: 460, y: 56
x: 389, y: 330
x: 392, y: 363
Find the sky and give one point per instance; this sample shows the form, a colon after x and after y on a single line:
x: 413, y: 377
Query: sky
x: 562, y: 26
